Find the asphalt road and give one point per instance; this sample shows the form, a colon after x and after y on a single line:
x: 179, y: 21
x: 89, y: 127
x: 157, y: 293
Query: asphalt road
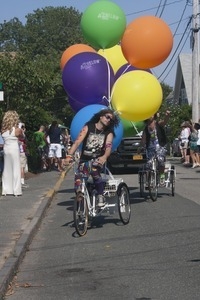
x: 156, y: 256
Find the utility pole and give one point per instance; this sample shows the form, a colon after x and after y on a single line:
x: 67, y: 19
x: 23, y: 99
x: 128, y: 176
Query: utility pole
x: 195, y: 62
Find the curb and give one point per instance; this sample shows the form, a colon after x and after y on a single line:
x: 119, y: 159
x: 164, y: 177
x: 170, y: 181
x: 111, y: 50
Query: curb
x: 11, y: 265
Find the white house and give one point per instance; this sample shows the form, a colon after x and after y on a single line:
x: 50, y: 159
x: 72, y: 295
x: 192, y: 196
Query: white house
x: 183, y: 82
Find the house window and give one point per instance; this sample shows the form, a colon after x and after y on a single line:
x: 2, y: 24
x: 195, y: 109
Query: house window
x: 183, y: 97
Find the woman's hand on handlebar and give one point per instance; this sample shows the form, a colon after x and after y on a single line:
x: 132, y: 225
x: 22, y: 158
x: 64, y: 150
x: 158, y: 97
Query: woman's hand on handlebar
x: 99, y: 161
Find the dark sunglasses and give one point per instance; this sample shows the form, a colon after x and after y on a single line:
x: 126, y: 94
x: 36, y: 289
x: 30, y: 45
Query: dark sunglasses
x: 108, y: 117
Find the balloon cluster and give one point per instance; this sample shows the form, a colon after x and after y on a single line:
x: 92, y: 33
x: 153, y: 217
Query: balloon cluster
x: 115, y: 70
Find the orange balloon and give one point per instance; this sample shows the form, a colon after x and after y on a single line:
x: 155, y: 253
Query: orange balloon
x: 73, y: 50
x: 147, y: 42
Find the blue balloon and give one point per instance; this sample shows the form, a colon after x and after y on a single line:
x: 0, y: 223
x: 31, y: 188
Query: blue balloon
x: 88, y: 77
x: 84, y: 115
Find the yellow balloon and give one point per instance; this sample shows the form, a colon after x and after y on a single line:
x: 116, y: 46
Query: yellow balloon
x: 136, y: 95
x: 114, y: 56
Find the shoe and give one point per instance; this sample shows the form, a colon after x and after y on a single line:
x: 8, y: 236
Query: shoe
x: 79, y: 196
x: 194, y: 166
x: 101, y: 201
x: 162, y: 179
x: 25, y: 186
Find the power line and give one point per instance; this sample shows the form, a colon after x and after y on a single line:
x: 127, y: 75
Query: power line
x: 177, y: 57
x: 152, y: 8
x: 180, y: 19
x: 176, y: 47
x: 179, y: 22
x: 164, y: 5
x: 159, y: 5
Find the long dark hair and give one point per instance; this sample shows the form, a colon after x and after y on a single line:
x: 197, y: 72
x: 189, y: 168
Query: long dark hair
x: 113, y: 123
x: 54, y: 124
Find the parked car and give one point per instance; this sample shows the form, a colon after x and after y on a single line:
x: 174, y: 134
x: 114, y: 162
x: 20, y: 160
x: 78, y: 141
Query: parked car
x: 126, y: 156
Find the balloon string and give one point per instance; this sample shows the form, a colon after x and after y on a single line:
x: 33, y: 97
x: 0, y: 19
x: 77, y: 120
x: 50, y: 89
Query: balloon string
x: 117, y: 80
x: 125, y: 69
x: 108, y: 67
x: 135, y: 128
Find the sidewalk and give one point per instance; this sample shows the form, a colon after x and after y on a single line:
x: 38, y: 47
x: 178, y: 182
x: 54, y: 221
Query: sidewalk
x: 187, y: 181
x: 19, y: 219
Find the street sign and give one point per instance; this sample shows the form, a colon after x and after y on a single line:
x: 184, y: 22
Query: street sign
x: 1, y: 95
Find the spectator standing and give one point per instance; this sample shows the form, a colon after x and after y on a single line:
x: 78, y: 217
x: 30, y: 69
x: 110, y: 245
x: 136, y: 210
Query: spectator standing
x: 198, y: 141
x: 11, y: 177
x: 66, y: 139
x: 63, y: 142
x: 96, y: 136
x: 39, y: 139
x: 1, y: 154
x: 23, y: 154
x: 193, y: 145
x: 55, y: 148
x: 184, y: 142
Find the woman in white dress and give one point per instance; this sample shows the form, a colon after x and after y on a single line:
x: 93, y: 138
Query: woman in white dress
x: 11, y: 177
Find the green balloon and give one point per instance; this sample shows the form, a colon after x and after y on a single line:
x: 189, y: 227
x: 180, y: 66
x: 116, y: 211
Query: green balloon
x: 103, y: 24
x: 132, y: 128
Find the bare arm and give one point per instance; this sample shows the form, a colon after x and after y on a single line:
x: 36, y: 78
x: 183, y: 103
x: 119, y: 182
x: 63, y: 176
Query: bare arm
x: 166, y: 118
x: 108, y: 149
x: 79, y: 140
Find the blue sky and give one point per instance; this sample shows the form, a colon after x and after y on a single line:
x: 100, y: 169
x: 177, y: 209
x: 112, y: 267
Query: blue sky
x: 175, y: 13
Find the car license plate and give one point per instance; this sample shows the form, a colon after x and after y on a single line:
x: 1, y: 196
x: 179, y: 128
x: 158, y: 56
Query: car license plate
x: 137, y: 157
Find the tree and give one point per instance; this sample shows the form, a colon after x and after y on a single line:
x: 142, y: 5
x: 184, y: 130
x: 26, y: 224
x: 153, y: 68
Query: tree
x: 179, y: 113
x: 52, y: 29
x: 11, y: 35
x: 30, y: 63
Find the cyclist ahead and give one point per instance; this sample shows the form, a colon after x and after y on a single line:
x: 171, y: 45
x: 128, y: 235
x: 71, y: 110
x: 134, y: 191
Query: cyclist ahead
x: 96, y: 138
x: 154, y: 140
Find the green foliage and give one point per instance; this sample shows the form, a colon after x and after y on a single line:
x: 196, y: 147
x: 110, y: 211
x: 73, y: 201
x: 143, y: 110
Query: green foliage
x: 11, y: 35
x: 30, y: 68
x: 179, y: 113
x: 52, y: 29
x: 30, y: 64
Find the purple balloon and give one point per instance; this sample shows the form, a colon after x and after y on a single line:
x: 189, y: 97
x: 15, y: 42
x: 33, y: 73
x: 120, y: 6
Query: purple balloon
x: 88, y: 77
x: 127, y: 68
x: 76, y: 105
